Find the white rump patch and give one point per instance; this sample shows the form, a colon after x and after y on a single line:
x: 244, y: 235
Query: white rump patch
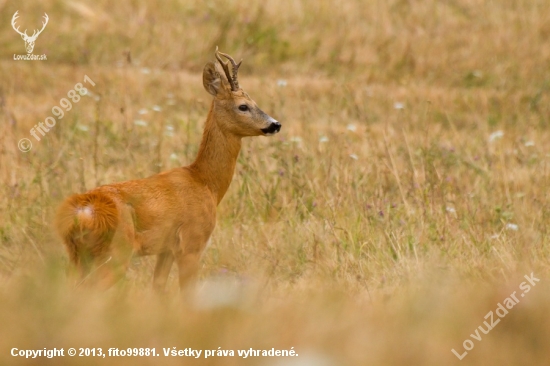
x: 86, y: 211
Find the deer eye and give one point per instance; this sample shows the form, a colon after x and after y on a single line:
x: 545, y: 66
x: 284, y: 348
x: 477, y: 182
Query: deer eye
x: 243, y: 107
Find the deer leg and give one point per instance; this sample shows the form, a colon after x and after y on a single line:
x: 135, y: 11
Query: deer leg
x: 192, y: 243
x: 162, y: 270
x: 107, y: 269
x: 188, y: 267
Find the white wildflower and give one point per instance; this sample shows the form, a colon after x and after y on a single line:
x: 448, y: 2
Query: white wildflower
x: 140, y: 122
x: 496, y: 135
x: 169, y: 131
x: 351, y: 127
x: 510, y: 226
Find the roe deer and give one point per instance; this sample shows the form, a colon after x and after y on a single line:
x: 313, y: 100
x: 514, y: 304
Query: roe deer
x: 171, y: 214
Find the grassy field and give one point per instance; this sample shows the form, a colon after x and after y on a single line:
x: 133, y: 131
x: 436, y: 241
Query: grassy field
x: 404, y: 199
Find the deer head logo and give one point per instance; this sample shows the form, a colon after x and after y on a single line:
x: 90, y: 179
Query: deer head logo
x: 29, y: 40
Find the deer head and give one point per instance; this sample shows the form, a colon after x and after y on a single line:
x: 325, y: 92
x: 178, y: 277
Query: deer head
x: 29, y: 40
x: 235, y: 111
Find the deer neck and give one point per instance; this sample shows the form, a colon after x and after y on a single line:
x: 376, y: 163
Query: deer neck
x: 217, y: 156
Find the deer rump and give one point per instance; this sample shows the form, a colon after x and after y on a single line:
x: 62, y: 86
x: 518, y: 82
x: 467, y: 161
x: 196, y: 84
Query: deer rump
x: 87, y: 224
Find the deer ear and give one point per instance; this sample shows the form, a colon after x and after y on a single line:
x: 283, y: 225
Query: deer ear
x: 211, y: 79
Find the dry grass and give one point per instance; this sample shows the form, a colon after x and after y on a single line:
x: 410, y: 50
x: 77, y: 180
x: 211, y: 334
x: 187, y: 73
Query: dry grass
x: 385, y: 245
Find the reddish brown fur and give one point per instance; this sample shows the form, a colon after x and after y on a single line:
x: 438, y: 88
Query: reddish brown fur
x: 171, y: 214
x: 86, y: 222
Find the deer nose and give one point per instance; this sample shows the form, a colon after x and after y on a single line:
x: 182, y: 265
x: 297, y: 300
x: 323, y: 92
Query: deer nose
x: 273, y: 128
x: 276, y: 126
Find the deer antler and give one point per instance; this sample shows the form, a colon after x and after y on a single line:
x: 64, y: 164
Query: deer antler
x: 15, y: 16
x: 233, y: 81
x: 43, y: 26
